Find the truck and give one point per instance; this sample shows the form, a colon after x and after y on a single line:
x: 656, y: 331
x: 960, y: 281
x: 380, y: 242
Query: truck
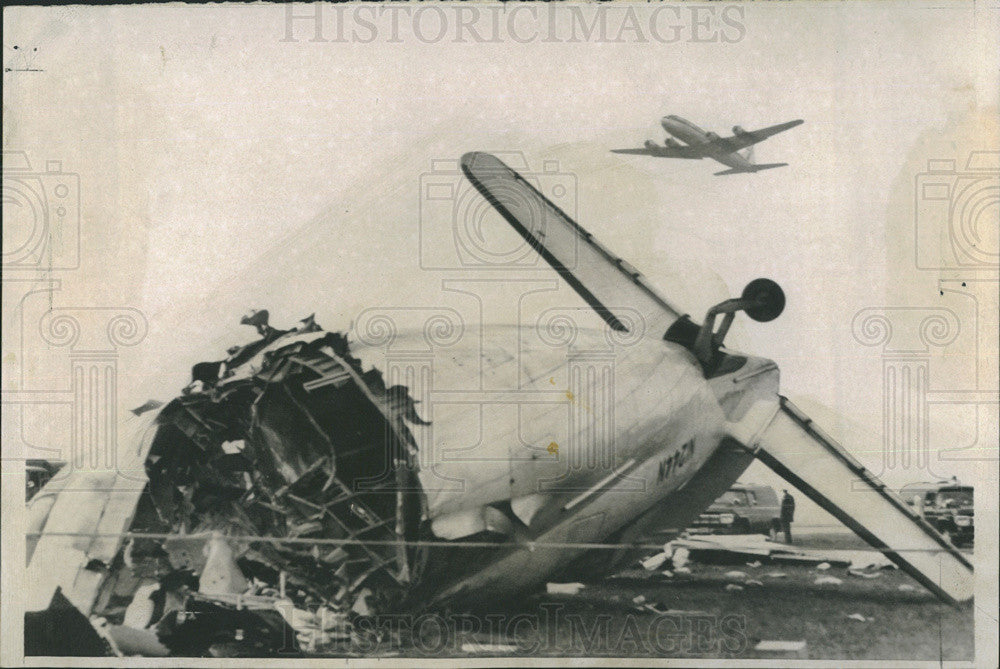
x: 947, y: 505
x: 746, y: 508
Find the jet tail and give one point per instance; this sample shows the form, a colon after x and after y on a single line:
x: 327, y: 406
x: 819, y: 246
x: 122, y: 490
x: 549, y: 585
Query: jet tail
x: 755, y: 168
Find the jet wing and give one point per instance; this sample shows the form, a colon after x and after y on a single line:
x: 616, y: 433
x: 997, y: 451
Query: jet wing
x: 690, y: 152
x: 742, y: 141
x: 612, y: 287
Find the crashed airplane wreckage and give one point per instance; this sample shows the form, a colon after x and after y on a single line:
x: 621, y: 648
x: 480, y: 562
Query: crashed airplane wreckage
x: 286, y: 438
x: 282, y: 489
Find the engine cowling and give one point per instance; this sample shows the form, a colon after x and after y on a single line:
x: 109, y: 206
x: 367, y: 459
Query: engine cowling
x: 650, y: 144
x: 737, y: 130
x: 712, y: 136
x: 672, y: 143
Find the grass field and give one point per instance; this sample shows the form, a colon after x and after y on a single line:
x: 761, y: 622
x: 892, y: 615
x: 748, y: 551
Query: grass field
x: 695, y: 616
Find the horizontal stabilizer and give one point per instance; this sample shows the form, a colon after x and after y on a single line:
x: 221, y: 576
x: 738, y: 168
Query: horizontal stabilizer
x: 821, y: 469
x: 755, y: 168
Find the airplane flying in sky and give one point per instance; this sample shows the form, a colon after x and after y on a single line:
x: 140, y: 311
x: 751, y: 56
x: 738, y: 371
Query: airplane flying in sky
x: 700, y: 144
x: 297, y: 449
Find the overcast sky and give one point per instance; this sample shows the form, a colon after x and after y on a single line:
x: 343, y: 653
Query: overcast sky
x: 223, y: 167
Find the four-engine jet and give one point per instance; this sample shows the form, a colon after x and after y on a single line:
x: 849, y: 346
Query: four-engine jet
x: 701, y: 144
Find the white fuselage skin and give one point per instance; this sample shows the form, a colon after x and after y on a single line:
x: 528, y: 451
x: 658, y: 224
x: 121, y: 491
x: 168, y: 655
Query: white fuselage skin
x: 579, y: 452
x: 692, y: 135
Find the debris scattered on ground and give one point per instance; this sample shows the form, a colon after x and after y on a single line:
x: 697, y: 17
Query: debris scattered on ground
x: 736, y: 575
x: 823, y: 566
x: 753, y: 581
x: 682, y: 570
x: 757, y: 550
x: 860, y: 618
x: 776, y: 574
x: 828, y: 580
x: 639, y: 600
x: 563, y: 588
x: 732, y: 587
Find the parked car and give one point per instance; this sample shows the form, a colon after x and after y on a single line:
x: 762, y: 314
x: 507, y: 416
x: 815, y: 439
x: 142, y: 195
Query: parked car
x: 743, y: 509
x: 947, y: 505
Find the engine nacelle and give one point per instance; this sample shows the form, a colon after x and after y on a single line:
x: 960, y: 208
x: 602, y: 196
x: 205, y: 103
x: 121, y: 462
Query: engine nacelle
x: 712, y: 136
x: 650, y: 144
x: 672, y: 143
x: 737, y: 130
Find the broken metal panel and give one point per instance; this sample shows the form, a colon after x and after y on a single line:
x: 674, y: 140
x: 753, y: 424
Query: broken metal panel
x: 326, y: 454
x: 81, y: 515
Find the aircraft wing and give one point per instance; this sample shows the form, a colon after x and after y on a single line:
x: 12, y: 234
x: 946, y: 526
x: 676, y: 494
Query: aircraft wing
x: 793, y: 446
x: 742, y: 141
x: 612, y: 287
x: 690, y: 152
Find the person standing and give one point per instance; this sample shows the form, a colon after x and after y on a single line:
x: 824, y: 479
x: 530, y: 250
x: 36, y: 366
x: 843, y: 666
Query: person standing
x: 787, y: 515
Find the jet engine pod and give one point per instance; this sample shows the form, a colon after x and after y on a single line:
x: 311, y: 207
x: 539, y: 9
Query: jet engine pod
x: 764, y: 300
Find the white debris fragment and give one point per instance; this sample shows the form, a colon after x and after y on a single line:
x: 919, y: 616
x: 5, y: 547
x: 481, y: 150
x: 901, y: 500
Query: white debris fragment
x: 734, y: 575
x: 860, y: 618
x: 679, y: 558
x: 563, y: 588
x: 781, y: 646
x: 827, y: 580
x: 753, y: 581
x: 682, y: 570
x: 475, y: 647
x: 864, y: 574
x: 754, y: 564
x: 221, y: 575
x: 667, y: 573
x: 732, y: 587
x: 361, y: 604
x: 823, y: 566
x: 776, y: 574
x: 655, y: 562
x: 638, y: 600
x: 139, y: 612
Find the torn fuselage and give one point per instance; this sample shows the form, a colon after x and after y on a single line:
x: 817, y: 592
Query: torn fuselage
x: 332, y: 492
